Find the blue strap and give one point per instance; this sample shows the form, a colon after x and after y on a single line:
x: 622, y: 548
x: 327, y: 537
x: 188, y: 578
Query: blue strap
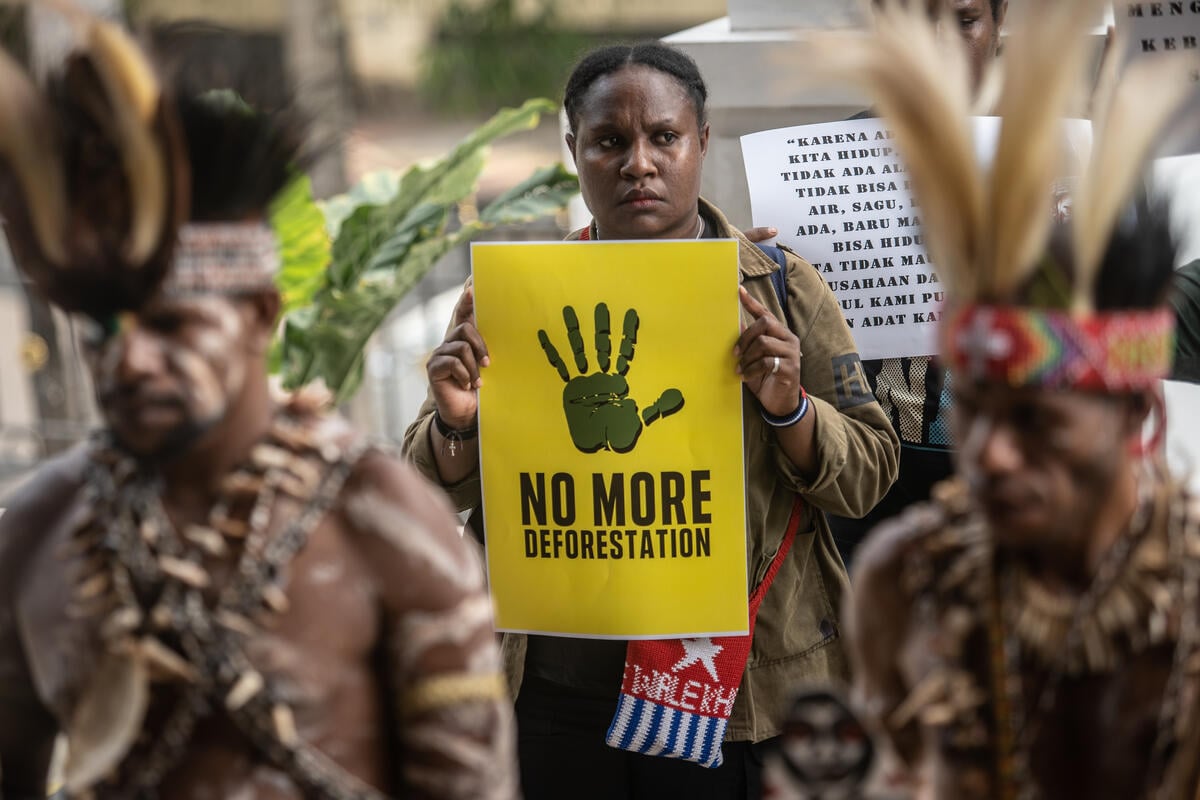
x: 779, y: 279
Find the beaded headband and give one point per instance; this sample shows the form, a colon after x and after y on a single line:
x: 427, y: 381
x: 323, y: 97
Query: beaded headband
x: 224, y: 258
x: 1025, y: 347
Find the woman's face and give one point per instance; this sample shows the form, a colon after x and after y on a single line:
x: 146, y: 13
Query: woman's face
x: 638, y: 146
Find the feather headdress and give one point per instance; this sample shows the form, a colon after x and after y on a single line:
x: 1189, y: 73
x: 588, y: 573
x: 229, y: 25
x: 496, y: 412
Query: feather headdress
x: 988, y: 227
x: 93, y: 175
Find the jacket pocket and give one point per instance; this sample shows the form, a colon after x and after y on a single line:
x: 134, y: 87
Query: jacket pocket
x: 797, y: 617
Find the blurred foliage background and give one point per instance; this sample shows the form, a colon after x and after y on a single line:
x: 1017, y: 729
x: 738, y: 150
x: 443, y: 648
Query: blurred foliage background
x: 481, y: 58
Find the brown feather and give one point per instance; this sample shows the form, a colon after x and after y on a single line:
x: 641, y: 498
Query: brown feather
x: 28, y: 147
x: 987, y: 232
x: 93, y: 174
x: 134, y: 97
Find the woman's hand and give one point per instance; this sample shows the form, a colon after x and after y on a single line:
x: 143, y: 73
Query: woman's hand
x: 453, y: 369
x: 768, y: 359
x: 760, y: 234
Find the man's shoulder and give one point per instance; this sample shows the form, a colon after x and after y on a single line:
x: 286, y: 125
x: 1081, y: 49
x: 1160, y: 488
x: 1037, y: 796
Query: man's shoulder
x: 384, y: 487
x: 376, y: 476
x: 897, y: 541
x: 31, y: 509
x: 406, y: 530
x: 382, y: 471
x: 59, y: 475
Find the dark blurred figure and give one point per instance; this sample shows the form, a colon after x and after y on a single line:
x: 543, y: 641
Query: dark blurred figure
x: 1185, y: 299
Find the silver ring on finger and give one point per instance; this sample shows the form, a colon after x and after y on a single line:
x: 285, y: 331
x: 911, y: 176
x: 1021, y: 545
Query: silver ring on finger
x: 775, y: 366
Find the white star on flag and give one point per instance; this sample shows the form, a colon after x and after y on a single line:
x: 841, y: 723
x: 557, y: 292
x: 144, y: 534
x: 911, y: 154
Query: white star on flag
x: 701, y: 650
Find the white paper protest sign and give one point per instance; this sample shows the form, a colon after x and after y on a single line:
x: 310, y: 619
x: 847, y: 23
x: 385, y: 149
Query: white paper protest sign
x: 840, y: 196
x: 1153, y: 29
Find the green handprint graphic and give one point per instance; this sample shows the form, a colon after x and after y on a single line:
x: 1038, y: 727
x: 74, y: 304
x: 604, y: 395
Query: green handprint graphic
x: 600, y: 414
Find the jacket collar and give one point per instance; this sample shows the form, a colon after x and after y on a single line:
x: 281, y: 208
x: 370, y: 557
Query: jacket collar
x: 752, y: 261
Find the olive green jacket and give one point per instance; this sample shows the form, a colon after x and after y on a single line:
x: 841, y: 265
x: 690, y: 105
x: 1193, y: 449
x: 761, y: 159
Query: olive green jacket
x: 797, y: 639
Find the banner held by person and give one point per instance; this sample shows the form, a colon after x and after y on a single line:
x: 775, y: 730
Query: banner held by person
x: 1164, y: 29
x: 840, y: 197
x: 611, y: 438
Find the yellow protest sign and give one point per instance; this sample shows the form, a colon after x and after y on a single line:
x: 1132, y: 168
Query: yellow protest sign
x: 610, y: 424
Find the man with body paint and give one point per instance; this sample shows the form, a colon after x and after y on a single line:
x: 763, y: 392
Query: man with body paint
x: 1034, y: 630
x: 223, y: 594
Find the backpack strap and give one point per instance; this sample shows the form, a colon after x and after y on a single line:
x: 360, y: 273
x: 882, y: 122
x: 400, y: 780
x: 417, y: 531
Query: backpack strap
x: 779, y: 279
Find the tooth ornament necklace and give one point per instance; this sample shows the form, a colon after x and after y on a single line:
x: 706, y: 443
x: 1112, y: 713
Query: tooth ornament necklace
x: 1144, y: 594
x: 162, y: 612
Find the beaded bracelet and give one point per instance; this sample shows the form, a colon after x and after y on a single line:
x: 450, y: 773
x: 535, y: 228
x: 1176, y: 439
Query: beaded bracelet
x: 789, y: 419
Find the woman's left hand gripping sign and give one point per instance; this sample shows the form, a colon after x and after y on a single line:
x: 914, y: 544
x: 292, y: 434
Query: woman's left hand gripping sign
x: 600, y: 414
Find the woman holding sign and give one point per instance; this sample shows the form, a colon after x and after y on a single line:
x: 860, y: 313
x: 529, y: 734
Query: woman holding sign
x: 815, y: 441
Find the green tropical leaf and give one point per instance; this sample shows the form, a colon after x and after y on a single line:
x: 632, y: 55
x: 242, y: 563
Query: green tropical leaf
x: 304, y: 246
x: 544, y: 192
x: 293, y: 356
x: 375, y: 188
x: 506, y: 122
x: 388, y: 232
x: 460, y: 180
x: 446, y: 181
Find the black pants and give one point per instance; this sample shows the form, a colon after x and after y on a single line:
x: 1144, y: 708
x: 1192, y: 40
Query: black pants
x: 560, y: 741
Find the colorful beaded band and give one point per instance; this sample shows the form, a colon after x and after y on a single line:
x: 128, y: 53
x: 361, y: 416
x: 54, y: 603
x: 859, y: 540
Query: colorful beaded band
x: 1112, y: 351
x: 225, y: 258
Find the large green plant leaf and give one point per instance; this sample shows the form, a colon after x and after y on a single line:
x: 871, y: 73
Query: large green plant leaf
x: 371, y: 225
x: 304, y: 245
x: 389, y: 232
x: 375, y: 188
x: 544, y: 192
x: 305, y: 248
